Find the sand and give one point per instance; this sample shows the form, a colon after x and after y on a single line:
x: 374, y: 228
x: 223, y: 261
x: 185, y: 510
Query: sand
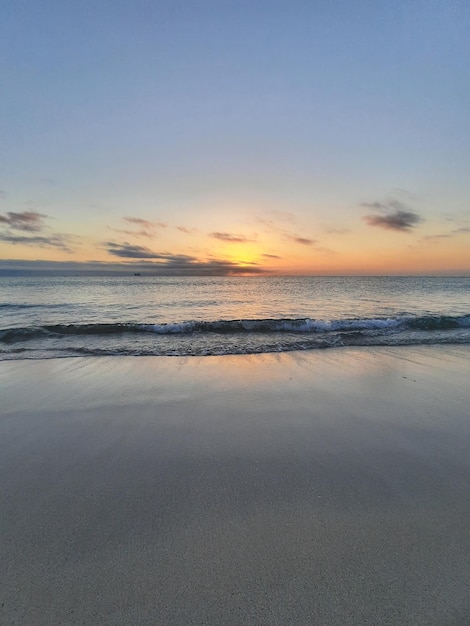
x: 325, y: 487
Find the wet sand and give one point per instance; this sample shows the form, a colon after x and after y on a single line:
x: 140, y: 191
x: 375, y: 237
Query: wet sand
x: 326, y: 487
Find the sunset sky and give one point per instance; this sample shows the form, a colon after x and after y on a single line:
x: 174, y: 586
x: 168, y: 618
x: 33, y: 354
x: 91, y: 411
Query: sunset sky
x: 234, y: 137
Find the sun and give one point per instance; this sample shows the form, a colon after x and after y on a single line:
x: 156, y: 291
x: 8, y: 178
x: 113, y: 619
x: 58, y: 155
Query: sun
x: 244, y: 255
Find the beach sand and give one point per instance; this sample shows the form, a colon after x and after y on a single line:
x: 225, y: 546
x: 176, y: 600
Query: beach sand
x: 323, y: 487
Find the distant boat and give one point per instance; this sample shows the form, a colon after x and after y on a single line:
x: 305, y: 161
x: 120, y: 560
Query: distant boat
x: 137, y: 274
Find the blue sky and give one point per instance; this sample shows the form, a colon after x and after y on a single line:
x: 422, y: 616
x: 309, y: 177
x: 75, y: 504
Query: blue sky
x: 269, y: 122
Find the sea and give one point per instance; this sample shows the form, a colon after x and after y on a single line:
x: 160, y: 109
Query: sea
x: 77, y: 316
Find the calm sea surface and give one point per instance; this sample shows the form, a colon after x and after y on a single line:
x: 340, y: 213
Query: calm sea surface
x: 76, y: 316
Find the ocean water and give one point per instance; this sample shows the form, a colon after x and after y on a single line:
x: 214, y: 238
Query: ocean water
x: 45, y: 317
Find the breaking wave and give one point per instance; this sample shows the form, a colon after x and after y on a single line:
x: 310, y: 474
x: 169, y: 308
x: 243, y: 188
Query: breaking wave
x: 243, y: 336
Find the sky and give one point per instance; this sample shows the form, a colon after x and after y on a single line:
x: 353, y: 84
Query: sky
x: 234, y: 137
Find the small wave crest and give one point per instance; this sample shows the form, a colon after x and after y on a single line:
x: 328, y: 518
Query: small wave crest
x: 310, y: 325
x: 12, y: 335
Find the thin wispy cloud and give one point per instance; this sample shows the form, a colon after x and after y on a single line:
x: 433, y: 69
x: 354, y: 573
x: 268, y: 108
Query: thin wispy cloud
x: 276, y: 221
x: 147, y: 227
x: 145, y: 223
x: 29, y: 221
x: 185, y: 229
x: 377, y: 206
x: 453, y: 233
x: 392, y: 215
x: 133, y: 233
x: 436, y: 237
x: 60, y: 241
x: 390, y: 205
x: 271, y: 256
x: 303, y: 241
x: 230, y: 237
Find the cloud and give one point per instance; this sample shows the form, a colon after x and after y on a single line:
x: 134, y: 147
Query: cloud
x: 271, y: 256
x: 304, y: 241
x: 3, y: 193
x: 393, y: 215
x: 145, y: 223
x: 147, y: 227
x: 230, y: 237
x: 29, y: 221
x: 133, y: 233
x: 276, y: 222
x: 436, y: 237
x: 453, y: 233
x: 186, y: 230
x: 374, y: 205
x: 385, y: 206
x: 57, y: 240
x: 32, y: 222
x: 130, y: 251
x: 398, y: 220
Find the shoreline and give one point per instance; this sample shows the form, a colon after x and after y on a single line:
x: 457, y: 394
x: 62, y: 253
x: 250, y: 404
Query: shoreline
x: 304, y: 487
